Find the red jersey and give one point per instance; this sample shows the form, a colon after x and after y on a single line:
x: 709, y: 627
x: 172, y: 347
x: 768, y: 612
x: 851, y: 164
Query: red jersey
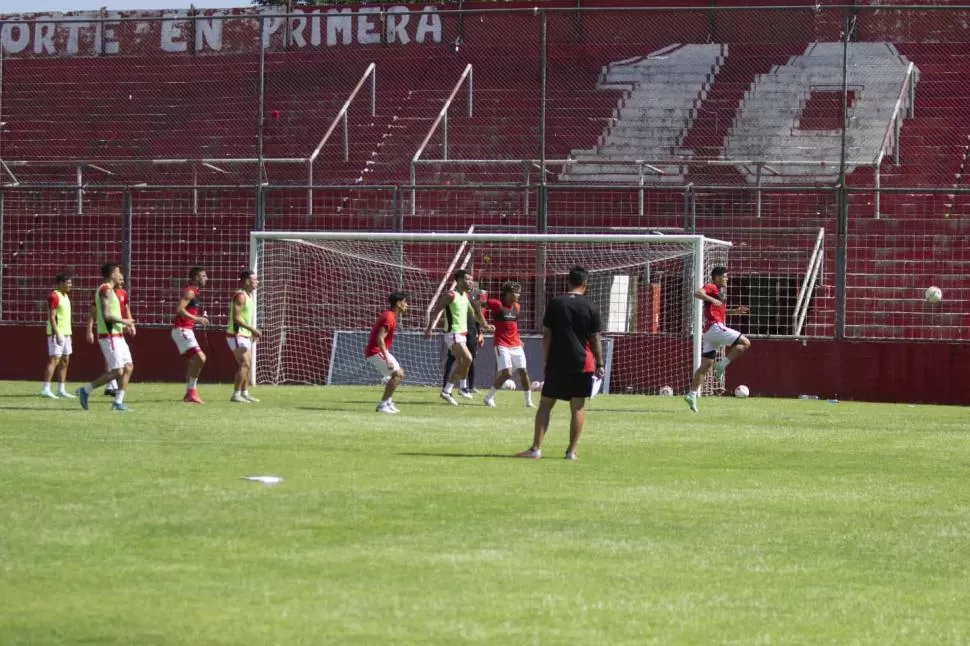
x: 53, y: 300
x: 194, y: 307
x: 506, y: 322
x: 122, y: 298
x: 388, y: 321
x: 714, y: 313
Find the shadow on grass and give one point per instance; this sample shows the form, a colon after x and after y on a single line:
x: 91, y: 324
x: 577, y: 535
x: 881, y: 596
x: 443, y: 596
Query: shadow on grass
x: 422, y: 454
x: 41, y: 408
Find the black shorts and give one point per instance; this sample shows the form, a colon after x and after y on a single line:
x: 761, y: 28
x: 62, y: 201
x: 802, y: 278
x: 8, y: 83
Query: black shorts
x: 568, y: 386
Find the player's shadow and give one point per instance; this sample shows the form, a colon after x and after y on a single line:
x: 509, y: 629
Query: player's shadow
x: 423, y: 454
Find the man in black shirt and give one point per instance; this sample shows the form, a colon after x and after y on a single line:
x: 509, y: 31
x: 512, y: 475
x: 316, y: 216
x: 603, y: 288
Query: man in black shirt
x: 573, y: 355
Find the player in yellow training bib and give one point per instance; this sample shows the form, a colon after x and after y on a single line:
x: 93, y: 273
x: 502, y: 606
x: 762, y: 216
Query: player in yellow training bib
x: 59, y: 337
x: 241, y: 334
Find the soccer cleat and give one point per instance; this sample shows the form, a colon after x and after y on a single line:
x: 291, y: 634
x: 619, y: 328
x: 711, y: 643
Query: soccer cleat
x: 571, y: 456
x: 65, y: 395
x: 121, y: 408
x: 719, y: 370
x: 473, y: 391
x: 108, y: 392
x: 467, y: 394
x: 532, y: 454
x: 488, y: 401
x: 530, y: 405
x: 192, y: 397
x: 48, y: 394
x: 82, y: 397
x: 387, y: 410
x: 393, y: 407
x: 238, y: 399
x: 250, y: 398
x: 448, y: 398
x: 691, y: 400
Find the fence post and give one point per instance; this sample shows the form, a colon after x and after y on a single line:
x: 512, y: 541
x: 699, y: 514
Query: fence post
x: 842, y: 217
x: 261, y: 108
x: 2, y: 194
x: 79, y: 175
x: 126, y: 223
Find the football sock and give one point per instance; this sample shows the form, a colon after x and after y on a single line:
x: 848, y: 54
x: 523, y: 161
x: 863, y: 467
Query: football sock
x: 491, y: 393
x: 448, y: 388
x: 45, y: 387
x: 120, y: 397
x: 191, y: 382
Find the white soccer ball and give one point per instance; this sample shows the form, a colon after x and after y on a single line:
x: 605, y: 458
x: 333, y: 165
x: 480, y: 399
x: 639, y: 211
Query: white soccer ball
x: 536, y: 386
x: 508, y: 385
x: 934, y: 294
x: 667, y: 391
x: 741, y: 391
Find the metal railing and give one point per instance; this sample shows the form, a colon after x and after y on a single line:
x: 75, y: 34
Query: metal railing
x: 890, y: 140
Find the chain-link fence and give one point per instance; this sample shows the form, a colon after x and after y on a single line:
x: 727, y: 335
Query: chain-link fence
x: 829, y: 143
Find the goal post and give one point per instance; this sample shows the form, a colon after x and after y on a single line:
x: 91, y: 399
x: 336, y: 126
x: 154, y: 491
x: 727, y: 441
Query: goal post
x: 320, y: 293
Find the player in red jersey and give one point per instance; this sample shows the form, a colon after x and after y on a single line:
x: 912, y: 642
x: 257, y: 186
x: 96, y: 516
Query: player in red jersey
x: 377, y: 352
x: 509, y: 353
x: 716, y: 333
x: 187, y: 314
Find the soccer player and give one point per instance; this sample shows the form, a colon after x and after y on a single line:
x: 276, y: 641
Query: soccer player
x: 112, y: 386
x: 455, y: 305
x: 59, y: 337
x: 188, y: 312
x: 474, y: 339
x: 716, y: 333
x: 377, y: 352
x: 573, y: 354
x: 241, y: 334
x: 509, y: 353
x: 111, y: 326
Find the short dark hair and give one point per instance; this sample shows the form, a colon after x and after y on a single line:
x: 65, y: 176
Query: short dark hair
x: 108, y: 268
x: 578, y: 276
x: 62, y: 278
x: 510, y: 287
x: 718, y: 271
x: 247, y: 274
x: 396, y: 297
x: 458, y: 275
x: 195, y: 271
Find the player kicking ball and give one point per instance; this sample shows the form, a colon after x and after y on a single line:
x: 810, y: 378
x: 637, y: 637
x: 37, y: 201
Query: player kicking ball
x: 377, y: 352
x: 509, y: 353
x: 716, y: 333
x: 241, y: 334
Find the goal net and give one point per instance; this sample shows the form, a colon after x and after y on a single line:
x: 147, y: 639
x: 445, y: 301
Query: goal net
x: 320, y: 293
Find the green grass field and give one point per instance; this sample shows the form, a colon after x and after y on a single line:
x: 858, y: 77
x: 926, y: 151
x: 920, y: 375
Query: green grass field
x: 757, y: 521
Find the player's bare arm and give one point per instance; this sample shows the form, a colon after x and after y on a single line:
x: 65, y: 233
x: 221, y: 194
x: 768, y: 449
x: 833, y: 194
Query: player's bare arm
x: 596, y: 346
x: 105, y: 304
x: 740, y: 309
x: 183, y: 303
x: 91, y: 315
x: 128, y: 315
x: 704, y: 296
x: 439, y: 305
x: 52, y: 320
x: 241, y: 324
x: 477, y: 311
x: 546, y: 344
x: 381, y: 337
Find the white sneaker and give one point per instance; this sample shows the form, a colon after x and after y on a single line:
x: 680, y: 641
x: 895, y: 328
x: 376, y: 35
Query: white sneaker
x: 530, y: 405
x: 250, y: 398
x: 691, y: 400
x: 393, y: 407
x: 387, y: 410
x: 66, y: 395
x: 532, y: 454
x: 48, y: 394
x: 466, y: 394
x: 239, y: 399
x: 571, y: 456
x: 488, y: 401
x: 448, y: 398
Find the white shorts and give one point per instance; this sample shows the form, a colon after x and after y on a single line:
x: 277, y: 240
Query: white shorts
x: 115, y: 351
x: 451, y: 338
x: 185, y: 340
x: 385, y: 367
x: 63, y: 350
x: 238, y: 342
x: 718, y: 336
x: 507, y: 358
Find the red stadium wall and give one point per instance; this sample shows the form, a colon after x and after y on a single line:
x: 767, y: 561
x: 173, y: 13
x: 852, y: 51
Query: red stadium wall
x: 865, y: 370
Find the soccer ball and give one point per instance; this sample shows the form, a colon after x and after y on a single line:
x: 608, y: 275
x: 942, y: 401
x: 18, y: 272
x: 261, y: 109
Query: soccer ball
x: 667, y: 391
x: 741, y: 391
x: 508, y: 385
x: 537, y: 386
x: 934, y: 294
